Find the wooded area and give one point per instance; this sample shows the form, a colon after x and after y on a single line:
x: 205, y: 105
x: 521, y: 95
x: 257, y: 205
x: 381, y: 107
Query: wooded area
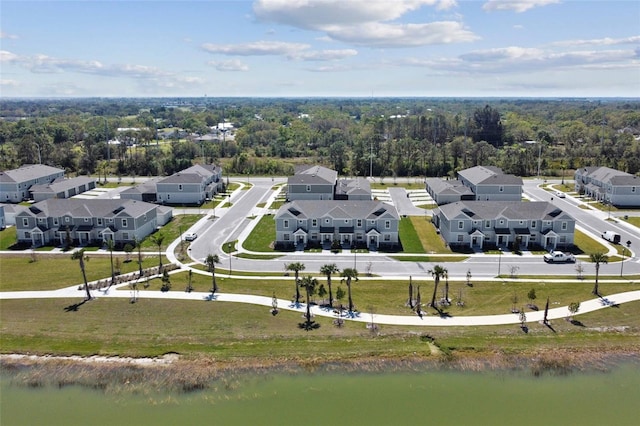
x: 380, y: 136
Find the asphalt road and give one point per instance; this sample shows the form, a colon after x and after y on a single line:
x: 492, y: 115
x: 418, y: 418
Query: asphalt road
x: 232, y: 223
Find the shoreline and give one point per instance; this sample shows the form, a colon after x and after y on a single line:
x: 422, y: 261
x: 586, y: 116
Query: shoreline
x: 173, y: 373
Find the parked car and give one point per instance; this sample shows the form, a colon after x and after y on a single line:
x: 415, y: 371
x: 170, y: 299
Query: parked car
x: 190, y: 236
x: 559, y: 257
x: 560, y: 194
x: 611, y: 236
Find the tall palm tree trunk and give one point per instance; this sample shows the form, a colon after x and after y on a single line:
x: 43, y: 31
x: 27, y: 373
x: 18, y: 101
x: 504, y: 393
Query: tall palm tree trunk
x: 330, y: 293
x: 435, y: 290
x: 349, y: 291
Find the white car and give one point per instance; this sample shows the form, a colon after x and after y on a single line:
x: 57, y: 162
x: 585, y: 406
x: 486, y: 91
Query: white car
x: 560, y: 194
x: 190, y: 236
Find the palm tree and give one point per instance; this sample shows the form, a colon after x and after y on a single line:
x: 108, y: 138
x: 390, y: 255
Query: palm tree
x: 309, y: 284
x: 347, y: 275
x: 138, y: 245
x: 437, y: 272
x: 158, y: 240
x: 328, y: 270
x: 110, y: 246
x: 296, y: 267
x: 79, y: 256
x: 211, y: 261
x: 598, y: 258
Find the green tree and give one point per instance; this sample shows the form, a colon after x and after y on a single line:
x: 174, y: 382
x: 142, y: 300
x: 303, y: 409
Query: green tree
x: 138, y: 245
x: 598, y: 258
x: 128, y: 249
x: 80, y: 257
x: 328, y: 270
x: 166, y: 281
x: 437, y: 273
x: 339, y: 293
x: 573, y: 309
x: 296, y: 267
x: 532, y: 295
x: 322, y: 292
x: 158, y: 240
x: 211, y: 261
x: 309, y: 284
x: 349, y: 274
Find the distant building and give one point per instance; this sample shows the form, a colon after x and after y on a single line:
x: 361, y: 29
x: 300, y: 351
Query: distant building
x: 480, y: 183
x: 608, y: 186
x: 483, y: 224
x: 321, y: 183
x: 190, y: 186
x: 15, y: 184
x: 62, y: 188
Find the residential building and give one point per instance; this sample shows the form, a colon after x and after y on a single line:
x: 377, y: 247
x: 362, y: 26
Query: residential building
x: 485, y: 224
x: 490, y: 184
x: 15, y: 184
x: 145, y: 191
x: 10, y: 212
x: 608, y: 186
x: 193, y: 185
x: 353, y: 189
x: 353, y: 223
x: 480, y: 183
x: 88, y: 221
x: 312, y: 183
x: 62, y: 188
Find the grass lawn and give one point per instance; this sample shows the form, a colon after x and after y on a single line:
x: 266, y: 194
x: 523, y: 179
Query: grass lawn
x: 170, y: 231
x: 50, y: 272
x: 237, y: 332
x: 431, y: 241
x: 390, y: 184
x: 262, y: 236
x: 8, y: 237
x: 633, y: 220
x: 409, y: 238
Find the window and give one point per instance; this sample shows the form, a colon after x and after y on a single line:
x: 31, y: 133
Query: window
x: 359, y: 222
x: 66, y: 219
x: 314, y: 222
x: 633, y: 189
x: 387, y: 224
x: 564, y: 226
x: 285, y: 223
x: 25, y: 221
x: 286, y: 237
x: 460, y: 238
x: 460, y: 224
x: 124, y: 223
x: 533, y: 224
x: 487, y: 224
x: 55, y: 221
x: 501, y: 221
x: 346, y: 221
x: 179, y: 187
x: 125, y: 235
x: 86, y: 219
x: 501, y: 189
x: 308, y: 188
x: 168, y: 196
x: 99, y: 220
x: 326, y: 220
x: 387, y: 237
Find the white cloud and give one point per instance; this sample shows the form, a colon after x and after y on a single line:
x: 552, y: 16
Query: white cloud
x: 9, y: 83
x: 257, y: 48
x: 607, y: 41
x: 391, y: 35
x: 44, y: 64
x: 365, y: 22
x: 518, y: 6
x: 324, y: 55
x: 230, y: 65
x: 8, y: 36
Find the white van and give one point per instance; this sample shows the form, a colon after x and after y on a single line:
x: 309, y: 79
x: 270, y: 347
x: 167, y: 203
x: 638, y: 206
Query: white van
x: 611, y: 237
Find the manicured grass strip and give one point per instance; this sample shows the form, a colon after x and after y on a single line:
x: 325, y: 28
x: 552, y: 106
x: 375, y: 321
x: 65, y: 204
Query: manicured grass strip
x: 430, y: 239
x: 50, y: 272
x: 7, y: 237
x: 237, y: 332
x: 170, y: 231
x: 434, y: 259
x: 411, y: 242
x: 262, y: 237
x: 258, y: 256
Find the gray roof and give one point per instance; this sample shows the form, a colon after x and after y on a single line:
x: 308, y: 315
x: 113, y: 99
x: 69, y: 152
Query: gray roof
x: 28, y: 172
x: 194, y: 174
x: 512, y: 210
x: 358, y: 186
x: 628, y: 180
x: 313, y: 209
x: 605, y: 174
x: 61, y: 184
x: 104, y: 208
x: 146, y: 187
x: 446, y: 187
x: 314, y: 175
x: 489, y: 175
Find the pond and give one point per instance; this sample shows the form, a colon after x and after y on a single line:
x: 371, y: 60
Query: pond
x: 443, y: 398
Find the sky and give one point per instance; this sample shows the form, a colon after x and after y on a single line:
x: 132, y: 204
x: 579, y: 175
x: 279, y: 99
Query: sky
x: 320, y: 48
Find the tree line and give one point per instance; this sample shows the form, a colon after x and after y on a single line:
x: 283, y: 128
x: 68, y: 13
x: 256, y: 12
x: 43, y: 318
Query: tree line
x: 380, y: 137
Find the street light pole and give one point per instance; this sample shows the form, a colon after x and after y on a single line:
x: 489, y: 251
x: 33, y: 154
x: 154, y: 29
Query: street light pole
x: 499, y: 261
x: 230, y: 258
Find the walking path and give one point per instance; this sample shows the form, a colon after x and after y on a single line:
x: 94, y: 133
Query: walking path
x: 428, y: 318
